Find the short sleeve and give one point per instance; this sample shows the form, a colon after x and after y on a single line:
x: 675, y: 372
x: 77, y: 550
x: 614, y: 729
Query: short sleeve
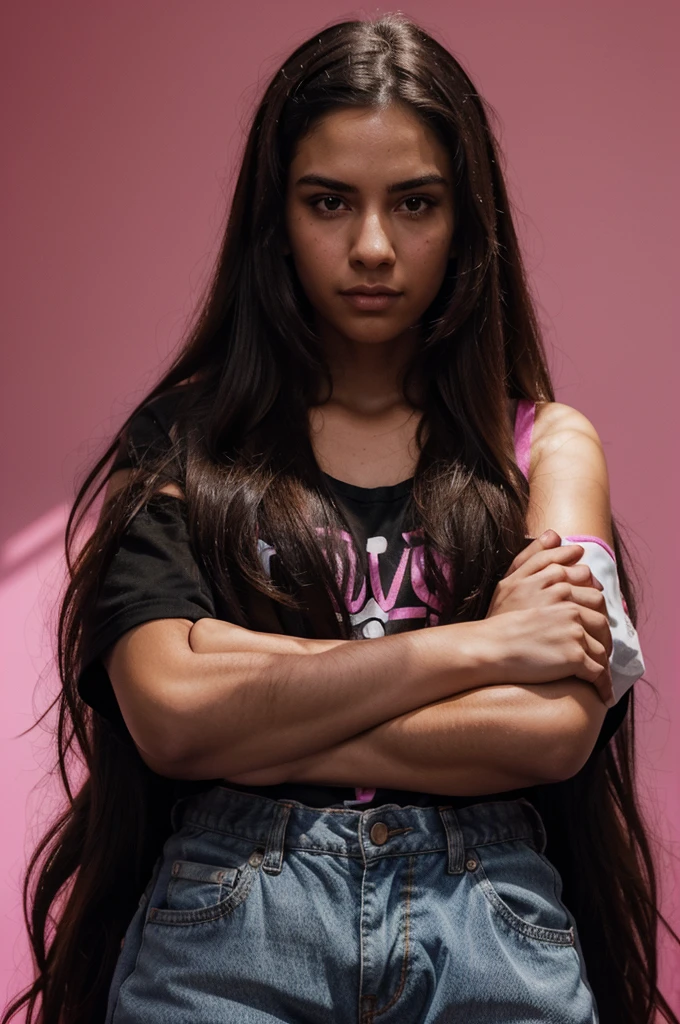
x: 626, y: 662
x: 147, y: 436
x: 153, y: 574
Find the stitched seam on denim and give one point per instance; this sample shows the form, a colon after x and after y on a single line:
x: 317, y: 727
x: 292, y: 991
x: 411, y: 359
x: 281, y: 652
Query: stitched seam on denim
x: 128, y: 976
x: 315, y: 851
x: 259, y: 839
x: 553, y: 869
x: 273, y: 862
x: 407, y: 936
x: 150, y: 886
x: 504, y: 839
x: 224, y: 889
x: 556, y: 936
x: 205, y: 915
x: 367, y: 1016
x: 359, y: 853
x: 578, y: 953
x: 204, y: 818
x: 362, y: 1015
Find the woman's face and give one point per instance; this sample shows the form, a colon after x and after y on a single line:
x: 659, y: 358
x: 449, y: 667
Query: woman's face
x: 370, y: 205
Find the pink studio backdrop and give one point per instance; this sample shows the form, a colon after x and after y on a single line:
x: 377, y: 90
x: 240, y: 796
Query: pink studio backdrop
x: 123, y: 123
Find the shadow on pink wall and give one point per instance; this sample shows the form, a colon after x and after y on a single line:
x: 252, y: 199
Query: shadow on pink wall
x: 123, y: 131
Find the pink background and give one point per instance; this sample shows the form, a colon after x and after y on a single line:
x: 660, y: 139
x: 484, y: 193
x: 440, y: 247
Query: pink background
x: 123, y: 124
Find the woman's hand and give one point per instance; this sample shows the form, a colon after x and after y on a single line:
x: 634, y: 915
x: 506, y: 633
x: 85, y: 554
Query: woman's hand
x: 543, y: 573
x: 548, y: 619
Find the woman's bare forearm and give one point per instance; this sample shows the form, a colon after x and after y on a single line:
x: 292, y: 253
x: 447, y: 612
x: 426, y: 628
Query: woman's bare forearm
x: 215, y: 636
x: 485, y: 740
x: 482, y: 740
x: 239, y: 701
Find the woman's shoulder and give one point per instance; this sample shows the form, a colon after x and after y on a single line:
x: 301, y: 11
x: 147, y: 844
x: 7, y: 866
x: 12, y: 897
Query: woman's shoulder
x: 556, y: 418
x: 564, y: 438
x: 152, y: 428
x: 162, y: 410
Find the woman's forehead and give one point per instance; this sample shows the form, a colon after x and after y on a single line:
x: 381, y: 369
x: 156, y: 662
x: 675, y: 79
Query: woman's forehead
x: 358, y: 145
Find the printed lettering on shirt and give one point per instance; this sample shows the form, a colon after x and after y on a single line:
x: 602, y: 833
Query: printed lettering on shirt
x: 369, y: 604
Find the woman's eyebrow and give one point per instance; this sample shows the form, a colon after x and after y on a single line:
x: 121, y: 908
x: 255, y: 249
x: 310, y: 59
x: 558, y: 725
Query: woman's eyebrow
x: 333, y: 185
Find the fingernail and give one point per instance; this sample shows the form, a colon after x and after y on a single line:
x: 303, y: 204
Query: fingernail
x: 546, y: 535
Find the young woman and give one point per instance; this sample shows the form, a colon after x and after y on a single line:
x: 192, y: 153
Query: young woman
x: 359, y: 440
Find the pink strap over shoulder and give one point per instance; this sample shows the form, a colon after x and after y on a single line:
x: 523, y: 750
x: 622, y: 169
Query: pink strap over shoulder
x: 524, y: 428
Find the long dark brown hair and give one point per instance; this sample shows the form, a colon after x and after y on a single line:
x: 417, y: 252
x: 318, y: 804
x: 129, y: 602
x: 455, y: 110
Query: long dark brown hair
x: 242, y: 456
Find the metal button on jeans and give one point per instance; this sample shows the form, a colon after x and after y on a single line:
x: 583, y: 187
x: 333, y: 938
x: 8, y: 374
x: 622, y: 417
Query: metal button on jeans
x: 255, y: 859
x: 379, y: 833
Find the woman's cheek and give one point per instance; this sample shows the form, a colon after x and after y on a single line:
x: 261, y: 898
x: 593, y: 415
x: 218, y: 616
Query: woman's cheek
x: 426, y: 274
x: 314, y: 269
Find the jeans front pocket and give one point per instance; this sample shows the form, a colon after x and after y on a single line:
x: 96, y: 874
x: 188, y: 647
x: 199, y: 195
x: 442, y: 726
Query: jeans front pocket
x: 193, y: 886
x: 524, y: 889
x: 207, y: 876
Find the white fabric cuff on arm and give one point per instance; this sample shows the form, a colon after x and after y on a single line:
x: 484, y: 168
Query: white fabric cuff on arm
x: 625, y: 661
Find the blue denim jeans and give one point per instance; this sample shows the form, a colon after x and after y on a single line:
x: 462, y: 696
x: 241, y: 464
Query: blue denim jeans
x: 261, y: 911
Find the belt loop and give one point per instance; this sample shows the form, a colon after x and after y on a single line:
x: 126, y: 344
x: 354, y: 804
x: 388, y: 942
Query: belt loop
x: 273, y: 856
x: 454, y: 840
x: 177, y: 812
x: 536, y: 822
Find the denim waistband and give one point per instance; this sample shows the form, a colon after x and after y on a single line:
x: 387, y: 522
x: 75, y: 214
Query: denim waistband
x: 385, y: 831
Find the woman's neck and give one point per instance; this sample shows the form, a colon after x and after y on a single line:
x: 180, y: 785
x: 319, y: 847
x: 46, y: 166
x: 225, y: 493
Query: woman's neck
x: 368, y: 377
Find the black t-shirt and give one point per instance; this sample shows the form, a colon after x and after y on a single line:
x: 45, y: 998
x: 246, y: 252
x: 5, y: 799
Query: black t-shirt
x: 155, y: 574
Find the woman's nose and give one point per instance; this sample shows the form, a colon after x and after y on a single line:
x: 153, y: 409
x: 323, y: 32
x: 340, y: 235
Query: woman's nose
x: 371, y: 245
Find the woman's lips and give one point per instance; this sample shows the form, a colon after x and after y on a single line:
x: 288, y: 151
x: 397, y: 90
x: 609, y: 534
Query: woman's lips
x: 371, y: 303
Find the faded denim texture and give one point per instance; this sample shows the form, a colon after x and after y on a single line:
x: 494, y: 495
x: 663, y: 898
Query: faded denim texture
x: 263, y: 911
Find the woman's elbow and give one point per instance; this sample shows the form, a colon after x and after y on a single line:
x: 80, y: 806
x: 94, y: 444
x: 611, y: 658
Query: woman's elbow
x: 188, y: 768
x: 574, y: 732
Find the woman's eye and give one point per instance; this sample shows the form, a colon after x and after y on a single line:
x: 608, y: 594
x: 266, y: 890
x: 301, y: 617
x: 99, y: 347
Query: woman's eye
x: 417, y: 204
x: 327, y: 204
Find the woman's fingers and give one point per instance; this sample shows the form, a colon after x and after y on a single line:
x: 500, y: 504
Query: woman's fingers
x: 548, y: 540
x: 580, y: 575
x: 588, y: 597
x: 601, y: 679
x: 597, y: 626
x: 565, y: 554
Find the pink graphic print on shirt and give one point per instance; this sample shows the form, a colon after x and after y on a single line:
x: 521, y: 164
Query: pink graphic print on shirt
x: 372, y: 608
